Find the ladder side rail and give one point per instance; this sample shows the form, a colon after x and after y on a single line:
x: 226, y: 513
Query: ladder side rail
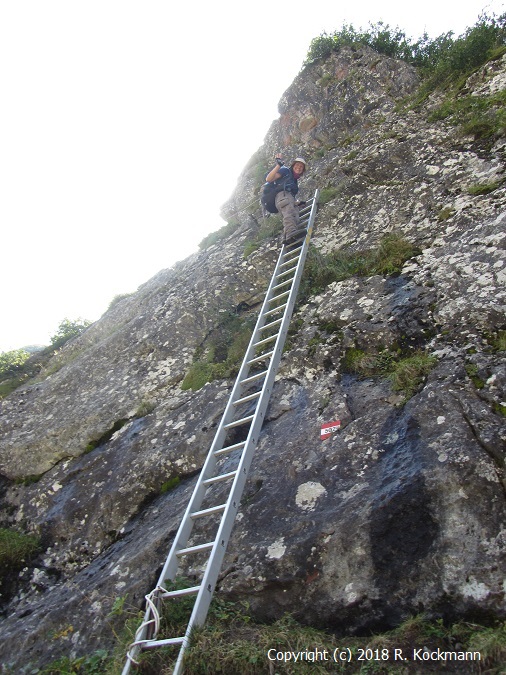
x: 204, y: 597
x: 242, y: 374
x: 209, y: 580
x: 185, y: 528
x: 206, y: 590
x: 283, y: 330
x: 207, y: 470
x: 212, y: 571
x: 243, y: 371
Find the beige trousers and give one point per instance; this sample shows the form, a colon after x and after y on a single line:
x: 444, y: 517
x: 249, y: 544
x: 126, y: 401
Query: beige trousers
x: 285, y: 204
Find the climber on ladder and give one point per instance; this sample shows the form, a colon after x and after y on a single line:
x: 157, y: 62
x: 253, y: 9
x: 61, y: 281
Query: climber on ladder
x: 282, y: 185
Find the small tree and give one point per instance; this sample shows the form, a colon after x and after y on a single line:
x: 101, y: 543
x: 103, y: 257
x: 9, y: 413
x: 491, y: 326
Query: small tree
x: 68, y: 330
x: 11, y: 362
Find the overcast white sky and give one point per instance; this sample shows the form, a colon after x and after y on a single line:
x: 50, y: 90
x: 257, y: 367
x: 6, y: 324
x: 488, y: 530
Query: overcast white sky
x: 125, y: 125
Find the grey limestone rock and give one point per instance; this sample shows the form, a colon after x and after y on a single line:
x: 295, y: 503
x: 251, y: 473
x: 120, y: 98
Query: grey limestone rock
x: 400, y: 512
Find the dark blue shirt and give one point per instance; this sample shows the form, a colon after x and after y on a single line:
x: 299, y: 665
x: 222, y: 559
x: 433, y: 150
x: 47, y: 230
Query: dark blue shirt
x: 291, y: 184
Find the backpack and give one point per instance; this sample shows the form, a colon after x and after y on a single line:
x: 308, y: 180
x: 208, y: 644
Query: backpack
x: 268, y: 194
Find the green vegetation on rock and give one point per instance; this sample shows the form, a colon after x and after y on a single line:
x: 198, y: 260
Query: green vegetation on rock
x: 322, y: 270
x: 17, y: 367
x: 222, y: 353
x: 218, y: 235
x: 440, y: 59
x: 406, y: 372
x: 11, y: 362
x: 16, y: 549
x: 483, y: 117
x: 67, y: 330
x: 270, y: 227
x: 232, y: 641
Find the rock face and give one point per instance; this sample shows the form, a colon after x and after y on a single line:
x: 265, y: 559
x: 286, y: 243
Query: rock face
x: 400, y: 512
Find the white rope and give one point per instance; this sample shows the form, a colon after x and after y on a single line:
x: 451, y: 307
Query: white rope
x: 147, y: 622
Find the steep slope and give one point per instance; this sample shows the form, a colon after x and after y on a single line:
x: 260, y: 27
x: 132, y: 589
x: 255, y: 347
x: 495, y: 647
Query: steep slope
x: 400, y: 512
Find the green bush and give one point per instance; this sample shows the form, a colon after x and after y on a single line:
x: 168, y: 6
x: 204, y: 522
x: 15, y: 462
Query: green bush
x: 145, y: 408
x: 498, y: 341
x: 474, y: 47
x: 409, y: 373
x: 445, y: 214
x: 324, y: 82
x: 379, y: 36
x: 94, y: 664
x: 198, y: 375
x: 439, y: 58
x: 67, y: 330
x: 11, y: 362
x: 448, y: 62
x: 170, y: 484
x: 15, y: 372
x: 480, y: 116
x: 483, y: 188
x: 472, y: 371
x: 118, y: 298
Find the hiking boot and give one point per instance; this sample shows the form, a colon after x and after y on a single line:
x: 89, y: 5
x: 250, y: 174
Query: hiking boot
x: 294, y: 236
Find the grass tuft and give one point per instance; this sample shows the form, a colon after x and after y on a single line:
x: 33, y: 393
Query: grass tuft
x: 407, y: 373
x: 218, y: 235
x: 270, y: 227
x: 16, y: 551
x: 221, y: 355
x: 387, y: 259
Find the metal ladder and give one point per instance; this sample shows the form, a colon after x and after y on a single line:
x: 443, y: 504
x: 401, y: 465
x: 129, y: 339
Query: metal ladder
x: 230, y: 455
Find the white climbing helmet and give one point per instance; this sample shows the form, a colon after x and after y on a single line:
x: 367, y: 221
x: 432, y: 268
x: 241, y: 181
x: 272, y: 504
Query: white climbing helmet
x: 299, y: 159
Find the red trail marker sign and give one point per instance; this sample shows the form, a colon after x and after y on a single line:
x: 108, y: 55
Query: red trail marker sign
x: 329, y: 428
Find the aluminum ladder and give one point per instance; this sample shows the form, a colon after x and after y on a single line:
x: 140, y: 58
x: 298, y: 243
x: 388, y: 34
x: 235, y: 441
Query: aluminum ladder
x: 230, y: 455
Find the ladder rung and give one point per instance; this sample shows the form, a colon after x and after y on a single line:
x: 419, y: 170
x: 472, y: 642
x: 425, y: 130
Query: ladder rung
x: 283, y: 274
x: 238, y: 423
x: 293, y: 250
x: 245, y: 399
x: 257, y: 376
x: 272, y: 323
x: 229, y: 448
x: 289, y: 261
x: 208, y: 512
x: 151, y: 644
x: 276, y: 309
x: 195, y: 549
x: 182, y: 591
x: 217, y: 479
x: 281, y: 295
x: 284, y: 283
x: 267, y: 355
x: 266, y: 340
